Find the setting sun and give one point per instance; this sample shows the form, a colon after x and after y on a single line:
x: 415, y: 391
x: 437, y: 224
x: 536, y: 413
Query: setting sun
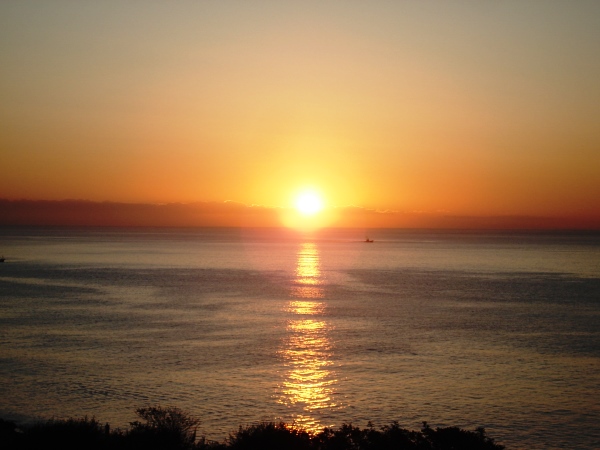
x: 307, y: 210
x: 309, y: 203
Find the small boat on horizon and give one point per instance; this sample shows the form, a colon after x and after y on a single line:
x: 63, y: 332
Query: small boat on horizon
x: 368, y: 240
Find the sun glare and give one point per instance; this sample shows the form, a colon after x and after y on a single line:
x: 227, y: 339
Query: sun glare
x: 309, y: 203
x: 307, y: 211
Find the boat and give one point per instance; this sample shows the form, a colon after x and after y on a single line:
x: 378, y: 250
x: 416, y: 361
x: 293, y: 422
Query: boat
x: 1, y: 258
x: 368, y: 240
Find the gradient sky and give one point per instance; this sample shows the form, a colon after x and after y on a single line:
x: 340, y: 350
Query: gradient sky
x: 468, y: 108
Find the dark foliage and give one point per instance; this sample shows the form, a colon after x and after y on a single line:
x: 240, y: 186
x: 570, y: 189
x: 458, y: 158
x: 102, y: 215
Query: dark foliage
x: 70, y: 434
x: 270, y: 436
x: 10, y: 434
x: 172, y: 429
x: 163, y: 428
x: 452, y: 438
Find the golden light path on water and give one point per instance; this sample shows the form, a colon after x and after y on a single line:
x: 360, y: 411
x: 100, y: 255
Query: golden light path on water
x: 308, y: 383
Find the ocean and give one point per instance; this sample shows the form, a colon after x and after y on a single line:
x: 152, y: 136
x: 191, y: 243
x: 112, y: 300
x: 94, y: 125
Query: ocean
x: 238, y: 326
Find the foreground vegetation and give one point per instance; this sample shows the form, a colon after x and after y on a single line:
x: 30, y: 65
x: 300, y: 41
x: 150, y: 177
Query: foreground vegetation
x: 170, y: 428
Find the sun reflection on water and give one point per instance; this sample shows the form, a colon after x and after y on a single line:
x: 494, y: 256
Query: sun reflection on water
x: 309, y: 381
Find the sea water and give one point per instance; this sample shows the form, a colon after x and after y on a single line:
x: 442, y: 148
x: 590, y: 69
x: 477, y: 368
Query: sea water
x: 239, y: 326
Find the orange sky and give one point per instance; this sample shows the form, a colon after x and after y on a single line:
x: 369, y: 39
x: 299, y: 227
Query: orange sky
x: 426, y: 109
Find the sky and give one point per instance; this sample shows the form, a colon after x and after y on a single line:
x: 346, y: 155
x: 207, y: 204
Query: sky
x: 412, y: 113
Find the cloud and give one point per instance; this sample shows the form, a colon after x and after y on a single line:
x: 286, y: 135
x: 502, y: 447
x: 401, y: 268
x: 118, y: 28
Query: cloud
x: 372, y: 218
x: 235, y: 214
x: 87, y: 213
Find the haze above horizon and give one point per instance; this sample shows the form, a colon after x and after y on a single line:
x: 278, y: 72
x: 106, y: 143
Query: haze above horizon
x: 433, y: 109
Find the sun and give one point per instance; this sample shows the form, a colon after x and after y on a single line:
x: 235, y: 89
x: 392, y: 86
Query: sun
x: 308, y: 210
x: 309, y: 203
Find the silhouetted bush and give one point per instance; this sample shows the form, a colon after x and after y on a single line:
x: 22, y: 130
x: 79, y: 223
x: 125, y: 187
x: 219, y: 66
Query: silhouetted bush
x: 451, y: 438
x: 172, y: 429
x: 70, y: 434
x: 351, y: 437
x: 270, y: 436
x: 163, y: 428
x: 394, y: 437
x: 10, y: 435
